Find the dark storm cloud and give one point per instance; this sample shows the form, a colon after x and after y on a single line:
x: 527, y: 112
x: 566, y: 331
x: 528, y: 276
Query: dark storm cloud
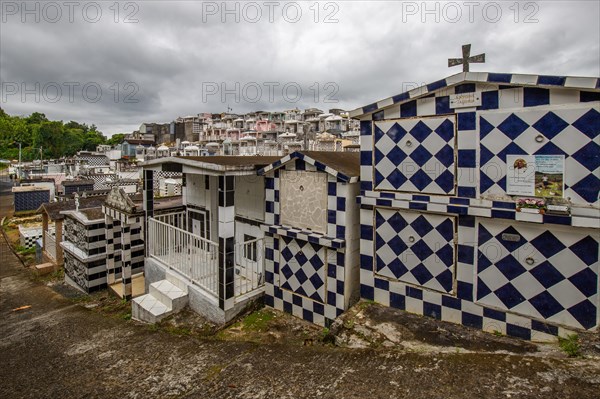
x: 175, y: 51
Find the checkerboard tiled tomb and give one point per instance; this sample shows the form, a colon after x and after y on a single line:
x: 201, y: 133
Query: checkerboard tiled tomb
x: 569, y: 131
x: 29, y: 235
x: 124, y: 240
x: 547, y: 274
x: 311, y: 243
x: 30, y: 198
x: 303, y: 269
x: 84, y: 248
x: 415, y: 248
x: 407, y: 151
x: 441, y: 234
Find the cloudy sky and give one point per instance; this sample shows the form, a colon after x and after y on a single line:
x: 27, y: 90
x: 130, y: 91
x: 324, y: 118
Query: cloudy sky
x: 152, y: 61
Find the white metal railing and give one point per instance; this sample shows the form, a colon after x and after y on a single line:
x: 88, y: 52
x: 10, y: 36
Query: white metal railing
x: 250, y: 150
x: 176, y: 219
x: 50, y: 247
x: 193, y: 256
x: 249, y: 266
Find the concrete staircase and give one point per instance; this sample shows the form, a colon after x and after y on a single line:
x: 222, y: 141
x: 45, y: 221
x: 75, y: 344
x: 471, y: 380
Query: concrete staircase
x: 164, y: 298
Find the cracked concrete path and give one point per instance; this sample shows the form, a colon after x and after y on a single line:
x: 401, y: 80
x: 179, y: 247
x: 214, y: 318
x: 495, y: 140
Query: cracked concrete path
x: 55, y: 349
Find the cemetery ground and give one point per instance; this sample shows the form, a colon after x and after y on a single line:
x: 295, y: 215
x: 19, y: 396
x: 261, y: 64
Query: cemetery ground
x: 58, y: 343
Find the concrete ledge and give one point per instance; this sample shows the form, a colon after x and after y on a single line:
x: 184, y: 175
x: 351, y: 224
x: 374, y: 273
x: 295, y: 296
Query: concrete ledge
x: 44, y: 268
x: 205, y: 305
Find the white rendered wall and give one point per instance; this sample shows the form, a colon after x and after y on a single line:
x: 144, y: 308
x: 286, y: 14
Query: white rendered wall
x: 249, y: 197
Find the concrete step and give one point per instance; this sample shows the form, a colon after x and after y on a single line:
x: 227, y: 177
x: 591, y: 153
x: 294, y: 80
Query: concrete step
x: 149, y: 309
x: 177, y: 280
x: 44, y: 268
x: 169, y: 294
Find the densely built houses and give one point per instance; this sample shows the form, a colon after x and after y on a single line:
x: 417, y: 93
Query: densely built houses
x: 256, y: 133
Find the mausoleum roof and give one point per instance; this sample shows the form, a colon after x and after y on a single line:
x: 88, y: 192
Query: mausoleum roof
x: 506, y: 79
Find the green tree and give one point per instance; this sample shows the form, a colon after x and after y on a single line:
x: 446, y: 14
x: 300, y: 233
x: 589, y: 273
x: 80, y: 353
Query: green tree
x: 56, y: 138
x: 75, y: 125
x: 116, y: 139
x: 36, y: 118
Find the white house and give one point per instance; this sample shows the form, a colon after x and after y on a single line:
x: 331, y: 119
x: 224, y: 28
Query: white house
x: 210, y: 255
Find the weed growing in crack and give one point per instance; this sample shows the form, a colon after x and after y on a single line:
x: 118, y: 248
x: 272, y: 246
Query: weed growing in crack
x: 570, y: 345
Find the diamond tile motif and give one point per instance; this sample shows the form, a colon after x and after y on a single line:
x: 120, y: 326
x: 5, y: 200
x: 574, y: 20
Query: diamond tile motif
x: 415, y: 155
x: 572, y: 132
x: 416, y: 248
x: 550, y: 125
x: 537, y: 272
x: 302, y: 268
x: 513, y: 126
x: 588, y: 123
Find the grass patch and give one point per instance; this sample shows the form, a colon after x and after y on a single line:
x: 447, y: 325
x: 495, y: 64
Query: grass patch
x: 258, y: 321
x: 177, y: 330
x: 114, y: 307
x: 23, y: 214
x: 56, y: 276
x: 99, y: 297
x: 21, y: 250
x: 12, y: 234
x: 570, y: 345
x: 365, y: 303
x: 106, y: 304
x: 221, y: 335
x: 82, y: 298
x: 327, y: 337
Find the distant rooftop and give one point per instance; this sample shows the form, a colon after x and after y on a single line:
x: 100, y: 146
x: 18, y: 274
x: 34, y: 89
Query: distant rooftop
x: 217, y: 163
x: 37, y: 180
x: 24, y: 189
x: 77, y: 182
x: 90, y: 154
x: 233, y: 160
x: 139, y: 141
x: 93, y: 213
x: 54, y: 209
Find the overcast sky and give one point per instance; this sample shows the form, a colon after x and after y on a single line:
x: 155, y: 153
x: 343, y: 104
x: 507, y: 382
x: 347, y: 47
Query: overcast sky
x: 156, y: 60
